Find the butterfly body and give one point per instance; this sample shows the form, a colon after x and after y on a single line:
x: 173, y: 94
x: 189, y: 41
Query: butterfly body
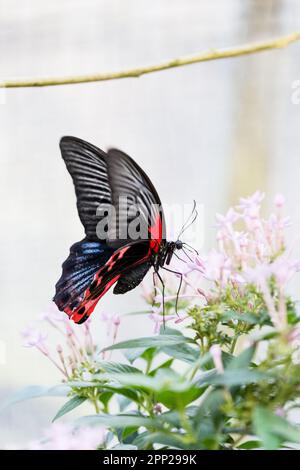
x: 104, y: 257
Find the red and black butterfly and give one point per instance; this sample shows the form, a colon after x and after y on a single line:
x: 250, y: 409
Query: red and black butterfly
x: 95, y: 264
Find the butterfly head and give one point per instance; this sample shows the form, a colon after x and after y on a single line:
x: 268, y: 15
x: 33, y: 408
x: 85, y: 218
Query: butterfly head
x: 178, y: 245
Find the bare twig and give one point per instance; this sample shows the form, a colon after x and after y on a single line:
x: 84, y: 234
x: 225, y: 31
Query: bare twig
x: 205, y: 56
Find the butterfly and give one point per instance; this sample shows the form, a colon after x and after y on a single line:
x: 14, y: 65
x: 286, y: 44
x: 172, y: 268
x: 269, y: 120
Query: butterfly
x: 111, y: 252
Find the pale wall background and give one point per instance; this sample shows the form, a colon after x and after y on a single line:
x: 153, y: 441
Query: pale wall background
x: 211, y: 132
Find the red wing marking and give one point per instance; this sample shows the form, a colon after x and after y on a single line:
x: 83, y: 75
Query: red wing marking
x: 87, y: 306
x: 155, y: 232
x: 103, y: 280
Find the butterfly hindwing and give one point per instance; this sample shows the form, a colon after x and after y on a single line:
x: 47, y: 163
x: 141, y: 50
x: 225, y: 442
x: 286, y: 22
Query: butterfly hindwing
x: 132, y: 278
x: 85, y: 259
x: 122, y: 261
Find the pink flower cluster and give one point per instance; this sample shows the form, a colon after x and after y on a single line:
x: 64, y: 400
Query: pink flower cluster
x: 61, y: 436
x: 78, y: 347
x: 250, y: 249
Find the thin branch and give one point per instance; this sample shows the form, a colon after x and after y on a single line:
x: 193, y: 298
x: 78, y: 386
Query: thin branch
x: 205, y: 56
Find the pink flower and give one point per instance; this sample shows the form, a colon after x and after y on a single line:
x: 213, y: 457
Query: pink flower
x: 147, y: 293
x: 157, y: 408
x: 294, y: 334
x: 52, y: 314
x: 217, y: 267
x: 279, y: 411
x: 279, y: 200
x: 32, y: 337
x: 252, y: 203
x: 216, y: 354
x: 283, y: 270
x: 112, y: 322
x: 296, y: 265
x: 197, y: 264
x: 159, y: 319
x: 226, y: 221
x: 63, y: 437
x: 257, y: 275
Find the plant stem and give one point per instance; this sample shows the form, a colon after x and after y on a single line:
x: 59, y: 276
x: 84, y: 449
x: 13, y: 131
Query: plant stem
x: 233, y: 344
x: 212, y: 54
x: 96, y: 406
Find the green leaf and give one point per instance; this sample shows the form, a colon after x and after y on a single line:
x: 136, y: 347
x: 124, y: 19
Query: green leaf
x: 182, y: 352
x: 124, y: 402
x: 69, y: 406
x: 150, y: 342
x: 272, y: 429
x: 169, y: 388
x: 104, y: 385
x: 119, y: 421
x: 166, y: 330
x: 204, y: 377
x: 36, y: 391
x: 173, y: 441
x: 163, y: 380
x: 235, y: 377
x: 249, y: 445
x: 126, y: 392
x: 206, y: 362
x: 165, y: 365
x: 140, y: 353
x: 210, y: 407
x: 117, y: 368
x: 247, y: 317
x: 174, y: 418
x: 133, y: 354
x: 173, y: 400
x: 85, y: 384
x: 292, y: 317
x: 243, y: 360
x: 148, y: 354
x: 129, y: 435
x: 105, y: 398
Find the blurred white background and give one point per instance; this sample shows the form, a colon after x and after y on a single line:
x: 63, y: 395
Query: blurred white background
x: 211, y: 132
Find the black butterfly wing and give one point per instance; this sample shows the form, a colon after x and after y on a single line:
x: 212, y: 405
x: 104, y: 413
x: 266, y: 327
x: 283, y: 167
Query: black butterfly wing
x: 102, y: 179
x: 88, y: 168
x: 132, y: 187
x: 132, y: 277
x: 78, y: 271
x: 112, y: 178
x: 123, y: 261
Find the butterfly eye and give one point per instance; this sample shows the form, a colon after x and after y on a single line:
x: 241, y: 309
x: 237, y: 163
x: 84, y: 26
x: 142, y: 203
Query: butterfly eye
x: 178, y: 244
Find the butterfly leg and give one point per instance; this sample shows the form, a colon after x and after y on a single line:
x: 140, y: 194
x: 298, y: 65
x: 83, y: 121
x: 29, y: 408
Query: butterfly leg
x: 179, y: 287
x: 163, y: 293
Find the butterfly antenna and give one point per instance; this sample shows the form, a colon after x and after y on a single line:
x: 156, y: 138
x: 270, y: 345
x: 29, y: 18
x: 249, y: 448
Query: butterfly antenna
x: 189, y: 222
x: 183, y: 227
